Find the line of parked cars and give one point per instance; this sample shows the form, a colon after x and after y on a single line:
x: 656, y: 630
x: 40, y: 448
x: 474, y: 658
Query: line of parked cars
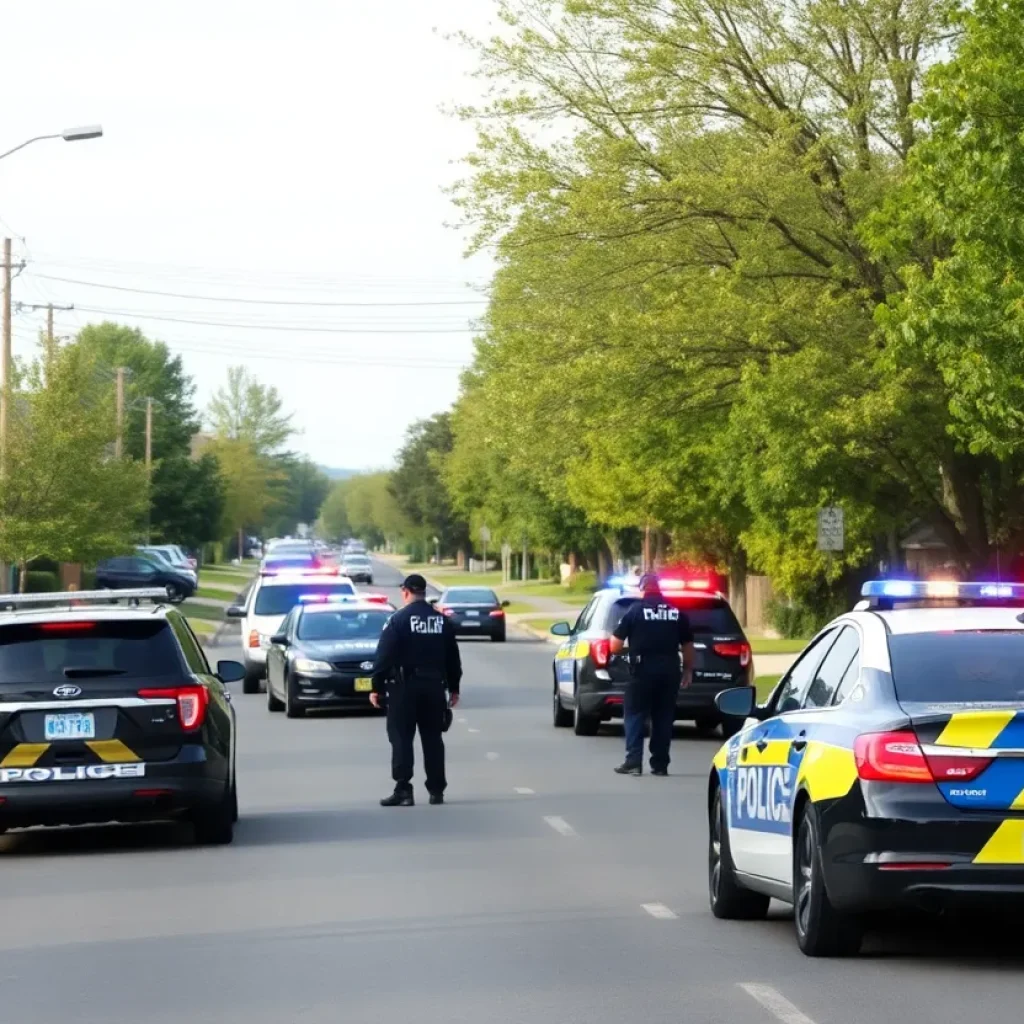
x: 152, y: 565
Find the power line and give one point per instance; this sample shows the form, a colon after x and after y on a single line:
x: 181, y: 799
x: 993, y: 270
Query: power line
x: 274, y: 327
x: 256, y: 302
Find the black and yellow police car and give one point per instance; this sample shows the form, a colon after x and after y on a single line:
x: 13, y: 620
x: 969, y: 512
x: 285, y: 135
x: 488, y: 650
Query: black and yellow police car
x: 885, y: 771
x: 111, y: 712
x: 589, y: 681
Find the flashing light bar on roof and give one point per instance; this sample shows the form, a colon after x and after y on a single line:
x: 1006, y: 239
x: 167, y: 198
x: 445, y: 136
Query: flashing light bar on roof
x: 328, y: 598
x: 923, y: 589
x: 82, y: 596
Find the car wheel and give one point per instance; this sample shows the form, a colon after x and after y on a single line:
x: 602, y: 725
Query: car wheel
x: 251, y: 682
x: 175, y: 594
x: 498, y: 638
x: 706, y: 726
x: 561, y: 716
x: 215, y: 825
x: 273, y: 704
x: 292, y: 708
x: 582, y: 723
x: 234, y: 800
x: 731, y: 726
x: 729, y: 900
x: 821, y: 930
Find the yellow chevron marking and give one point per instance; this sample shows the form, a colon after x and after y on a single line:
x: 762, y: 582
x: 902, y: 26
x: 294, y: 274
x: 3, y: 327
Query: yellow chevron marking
x: 24, y: 755
x: 977, y: 729
x: 775, y: 753
x: 722, y: 757
x: 829, y: 771
x: 112, y: 751
x: 1006, y: 845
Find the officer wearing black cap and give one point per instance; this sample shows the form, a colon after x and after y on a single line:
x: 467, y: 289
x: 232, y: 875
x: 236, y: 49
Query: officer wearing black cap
x: 655, y: 631
x: 417, y: 661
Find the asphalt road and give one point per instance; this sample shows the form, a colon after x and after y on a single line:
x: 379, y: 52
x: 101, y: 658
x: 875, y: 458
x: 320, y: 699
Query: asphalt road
x: 548, y: 889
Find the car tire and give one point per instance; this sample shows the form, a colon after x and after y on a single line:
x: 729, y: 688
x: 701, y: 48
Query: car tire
x: 215, y: 825
x: 731, y: 726
x: 291, y: 707
x: 561, y: 716
x: 706, y: 726
x: 729, y: 900
x: 234, y: 800
x: 175, y: 594
x: 251, y: 682
x: 821, y: 930
x: 273, y: 704
x: 582, y: 723
x: 498, y: 638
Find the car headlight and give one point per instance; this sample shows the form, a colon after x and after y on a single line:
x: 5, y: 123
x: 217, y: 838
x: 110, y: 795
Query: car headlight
x: 310, y: 667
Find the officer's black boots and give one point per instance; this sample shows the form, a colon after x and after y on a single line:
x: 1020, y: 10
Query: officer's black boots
x: 400, y: 798
x: 629, y: 769
x: 437, y: 798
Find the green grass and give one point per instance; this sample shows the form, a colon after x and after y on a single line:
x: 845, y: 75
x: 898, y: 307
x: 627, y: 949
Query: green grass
x: 202, y: 611
x: 765, y: 685
x: 542, y: 623
x: 764, y: 645
x: 203, y: 627
x: 219, y: 594
x: 519, y: 608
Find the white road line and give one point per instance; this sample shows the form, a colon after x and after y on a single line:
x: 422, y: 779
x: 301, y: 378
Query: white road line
x: 775, y: 1003
x: 561, y: 826
x: 462, y: 720
x: 660, y: 911
x: 473, y: 730
x: 524, y: 791
x: 491, y: 755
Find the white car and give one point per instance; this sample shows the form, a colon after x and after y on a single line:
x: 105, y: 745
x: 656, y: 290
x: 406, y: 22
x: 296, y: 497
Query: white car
x: 269, y: 600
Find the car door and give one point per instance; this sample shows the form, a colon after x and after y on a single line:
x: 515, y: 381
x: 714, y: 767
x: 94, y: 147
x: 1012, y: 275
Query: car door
x: 565, y: 656
x: 761, y: 786
x: 277, y: 656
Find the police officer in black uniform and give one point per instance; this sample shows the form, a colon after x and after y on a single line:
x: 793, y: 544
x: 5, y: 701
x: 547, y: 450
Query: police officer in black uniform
x: 655, y: 631
x: 417, y: 660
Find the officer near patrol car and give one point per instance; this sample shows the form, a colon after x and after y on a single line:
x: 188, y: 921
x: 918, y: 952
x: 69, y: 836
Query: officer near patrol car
x: 418, y: 667
x: 654, y: 631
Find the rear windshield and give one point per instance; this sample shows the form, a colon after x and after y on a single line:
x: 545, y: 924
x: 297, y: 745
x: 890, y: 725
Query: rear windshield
x: 706, y: 614
x: 342, y: 625
x: 941, y: 668
x: 470, y: 596
x: 282, y: 599
x: 356, y: 560
x: 81, y: 651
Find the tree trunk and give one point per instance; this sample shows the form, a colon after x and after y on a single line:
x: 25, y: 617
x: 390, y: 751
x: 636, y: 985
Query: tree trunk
x: 963, y: 500
x: 738, y: 584
x: 602, y: 565
x: 22, y: 577
x: 526, y: 560
x: 241, y: 544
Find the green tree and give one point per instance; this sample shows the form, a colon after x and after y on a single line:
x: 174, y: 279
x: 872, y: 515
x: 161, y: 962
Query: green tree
x: 185, y: 496
x: 64, y: 496
x: 334, y: 522
x: 299, y: 494
x: 245, y: 409
x: 248, y: 486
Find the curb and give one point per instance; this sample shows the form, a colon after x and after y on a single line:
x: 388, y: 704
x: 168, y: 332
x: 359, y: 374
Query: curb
x: 534, y: 632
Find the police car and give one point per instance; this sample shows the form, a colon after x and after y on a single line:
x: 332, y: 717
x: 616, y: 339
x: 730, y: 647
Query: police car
x: 589, y: 681
x: 885, y: 770
x: 112, y: 713
x: 273, y: 595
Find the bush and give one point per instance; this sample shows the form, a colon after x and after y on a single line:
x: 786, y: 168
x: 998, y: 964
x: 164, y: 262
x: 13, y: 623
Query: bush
x: 583, y: 583
x: 88, y: 579
x: 41, y: 582
x: 796, y: 619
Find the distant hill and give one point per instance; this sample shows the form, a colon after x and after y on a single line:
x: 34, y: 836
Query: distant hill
x: 333, y: 473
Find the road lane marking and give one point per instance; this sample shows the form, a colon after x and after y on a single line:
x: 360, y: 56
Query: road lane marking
x: 560, y: 825
x: 491, y: 755
x: 660, y: 911
x: 775, y: 1003
x: 524, y: 791
x: 474, y: 730
x: 462, y: 720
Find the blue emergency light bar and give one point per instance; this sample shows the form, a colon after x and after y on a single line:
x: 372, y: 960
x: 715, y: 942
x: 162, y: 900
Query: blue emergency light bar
x: 917, y: 590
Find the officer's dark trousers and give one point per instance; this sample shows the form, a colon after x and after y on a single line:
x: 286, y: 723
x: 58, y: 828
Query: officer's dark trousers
x: 417, y: 703
x: 650, y: 696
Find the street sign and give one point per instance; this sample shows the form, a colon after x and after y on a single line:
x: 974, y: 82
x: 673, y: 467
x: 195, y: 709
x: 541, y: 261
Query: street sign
x: 485, y: 534
x: 830, y: 529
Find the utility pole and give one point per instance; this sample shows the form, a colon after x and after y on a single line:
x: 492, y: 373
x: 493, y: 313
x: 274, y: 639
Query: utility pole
x: 6, y: 360
x: 51, y: 337
x: 119, y: 441
x: 149, y: 466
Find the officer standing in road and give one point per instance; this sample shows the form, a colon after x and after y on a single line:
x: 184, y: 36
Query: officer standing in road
x: 654, y: 631
x: 417, y: 660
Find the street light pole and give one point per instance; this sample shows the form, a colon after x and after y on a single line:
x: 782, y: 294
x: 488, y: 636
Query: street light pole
x: 92, y: 131
x: 5, y: 358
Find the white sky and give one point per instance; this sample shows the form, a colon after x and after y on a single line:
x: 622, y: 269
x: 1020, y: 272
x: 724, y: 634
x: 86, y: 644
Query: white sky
x: 253, y: 150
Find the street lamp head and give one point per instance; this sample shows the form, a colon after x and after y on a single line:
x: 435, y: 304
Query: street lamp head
x: 89, y: 131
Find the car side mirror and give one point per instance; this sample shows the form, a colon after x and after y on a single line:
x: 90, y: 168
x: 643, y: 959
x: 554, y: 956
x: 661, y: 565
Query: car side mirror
x: 280, y: 639
x: 561, y: 629
x: 235, y: 611
x: 433, y: 600
x: 737, y: 702
x: 505, y: 604
x: 230, y: 671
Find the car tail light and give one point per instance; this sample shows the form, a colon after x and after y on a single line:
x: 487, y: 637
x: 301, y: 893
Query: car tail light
x: 66, y: 627
x: 254, y: 638
x: 192, y: 703
x: 600, y: 652
x: 899, y: 757
x: 497, y: 614
x: 445, y: 611
x: 734, y: 650
x: 375, y: 598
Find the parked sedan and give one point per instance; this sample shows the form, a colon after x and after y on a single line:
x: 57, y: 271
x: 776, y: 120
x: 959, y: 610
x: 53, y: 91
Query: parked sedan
x: 474, y: 611
x: 129, y: 572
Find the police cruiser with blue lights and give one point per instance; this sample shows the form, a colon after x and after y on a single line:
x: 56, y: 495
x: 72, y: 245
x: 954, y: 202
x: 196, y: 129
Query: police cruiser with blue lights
x: 111, y: 712
x: 885, y: 770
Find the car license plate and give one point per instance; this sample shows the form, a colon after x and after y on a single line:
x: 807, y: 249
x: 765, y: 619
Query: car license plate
x: 77, y: 725
x: 364, y: 685
x: 473, y: 615
x: 471, y: 624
